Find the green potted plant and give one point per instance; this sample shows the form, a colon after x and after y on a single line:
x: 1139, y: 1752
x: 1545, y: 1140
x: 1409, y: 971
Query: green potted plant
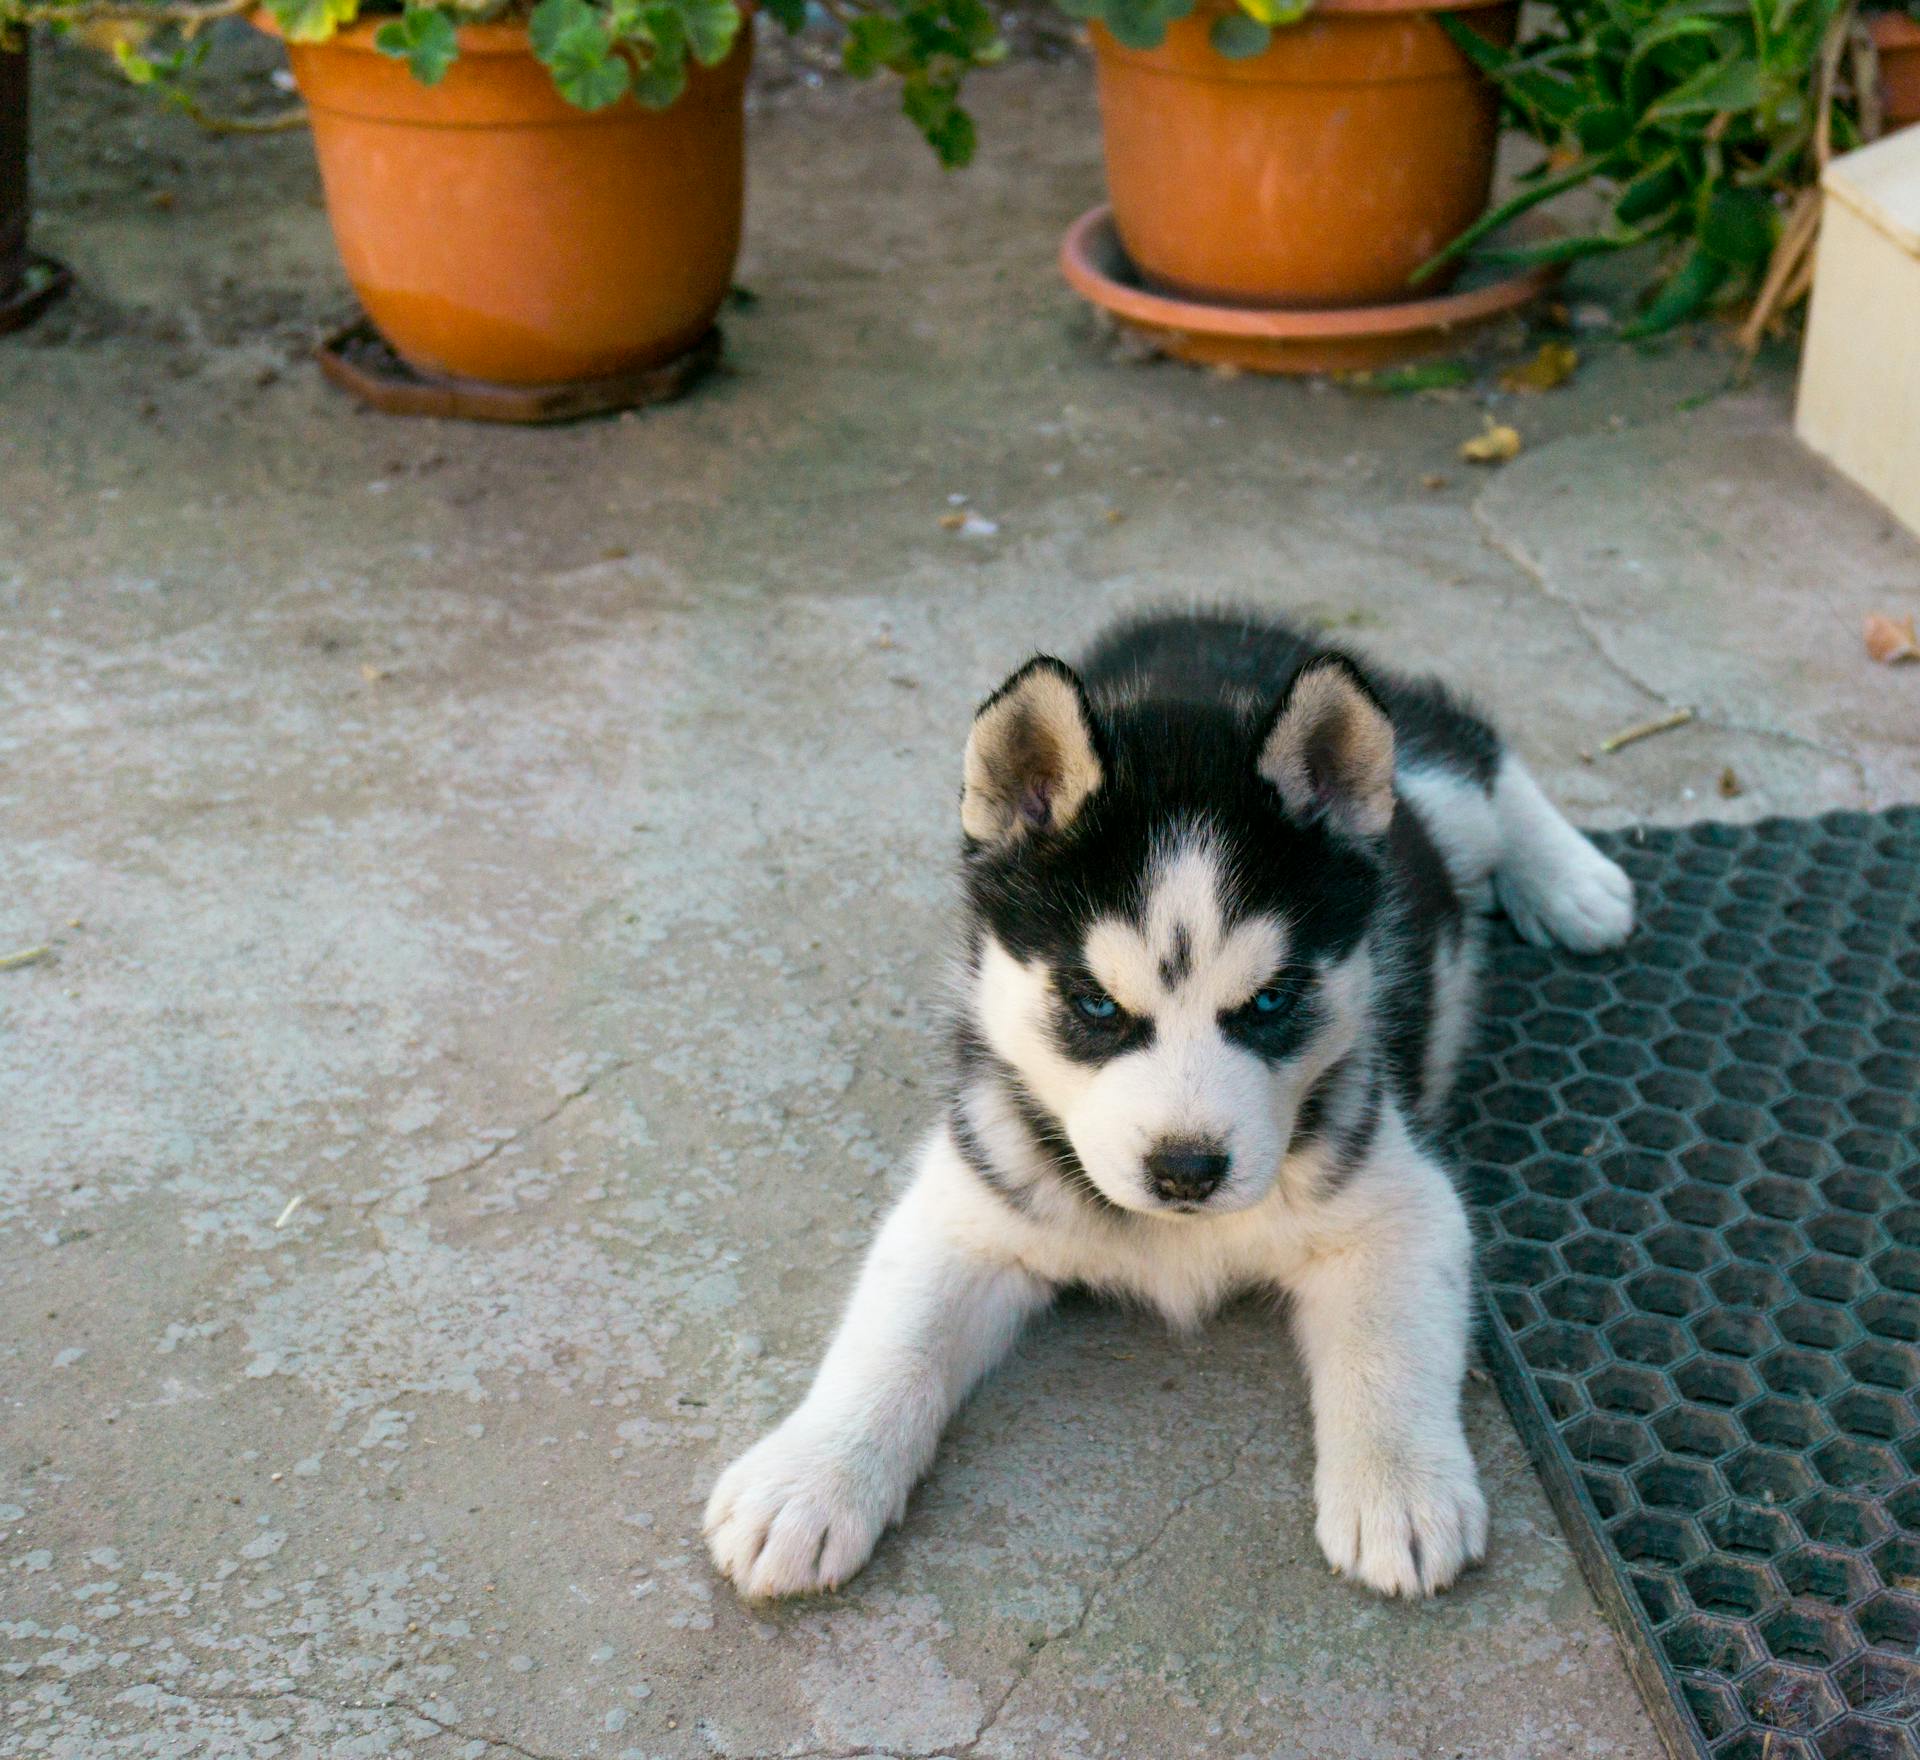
x: 1705, y: 123
x: 539, y: 192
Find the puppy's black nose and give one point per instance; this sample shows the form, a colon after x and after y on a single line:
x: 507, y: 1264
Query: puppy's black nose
x: 1185, y: 1171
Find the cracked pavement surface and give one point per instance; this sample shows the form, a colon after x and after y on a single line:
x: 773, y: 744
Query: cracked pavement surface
x: 530, y: 852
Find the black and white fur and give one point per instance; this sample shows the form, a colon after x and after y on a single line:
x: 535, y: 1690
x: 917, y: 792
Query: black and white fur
x: 1224, y: 894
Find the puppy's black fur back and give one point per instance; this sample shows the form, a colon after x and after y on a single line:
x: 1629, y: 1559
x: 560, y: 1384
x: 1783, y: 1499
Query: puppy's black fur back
x: 1240, y: 657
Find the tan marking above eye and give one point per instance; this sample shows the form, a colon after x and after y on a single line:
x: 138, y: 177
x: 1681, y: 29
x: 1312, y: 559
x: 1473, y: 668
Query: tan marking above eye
x: 1220, y: 977
x: 1183, y: 957
x: 1124, y: 965
x: 1254, y: 951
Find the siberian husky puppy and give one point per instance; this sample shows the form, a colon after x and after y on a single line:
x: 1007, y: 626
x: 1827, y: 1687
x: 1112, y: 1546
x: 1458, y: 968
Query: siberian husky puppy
x: 1224, y: 895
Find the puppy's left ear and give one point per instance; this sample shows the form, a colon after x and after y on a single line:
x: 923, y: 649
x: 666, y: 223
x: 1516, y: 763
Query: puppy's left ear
x: 1031, y: 761
x: 1329, y: 749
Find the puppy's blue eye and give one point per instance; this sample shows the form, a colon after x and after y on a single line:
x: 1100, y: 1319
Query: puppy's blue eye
x: 1095, y: 1006
x: 1272, y: 1001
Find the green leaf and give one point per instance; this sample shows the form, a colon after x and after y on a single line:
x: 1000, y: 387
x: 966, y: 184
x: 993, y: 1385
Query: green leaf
x: 933, y: 106
x: 973, y: 29
x: 1740, y: 227
x: 1655, y: 189
x: 875, y: 40
x: 551, y: 19
x: 711, y: 26
x: 1529, y: 83
x: 424, y: 37
x: 1684, y: 295
x: 1511, y: 209
x: 1559, y: 250
x: 662, y: 26
x: 585, y: 68
x: 1487, y: 56
x: 1603, y: 127
x: 1733, y: 85
x: 662, y: 79
x: 138, y: 69
x: 1271, y: 12
x: 1238, y: 37
x: 574, y: 40
x: 312, y: 21
x: 1137, y: 24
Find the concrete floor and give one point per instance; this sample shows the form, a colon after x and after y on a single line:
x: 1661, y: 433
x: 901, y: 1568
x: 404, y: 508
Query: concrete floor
x: 529, y: 853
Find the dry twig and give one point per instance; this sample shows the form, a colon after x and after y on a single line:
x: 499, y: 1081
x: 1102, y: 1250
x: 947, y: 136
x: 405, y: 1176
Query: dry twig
x: 1642, y: 730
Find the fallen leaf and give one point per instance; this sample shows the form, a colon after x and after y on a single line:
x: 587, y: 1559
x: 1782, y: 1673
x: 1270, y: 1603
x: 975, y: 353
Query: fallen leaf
x: 1730, y: 788
x: 1553, y: 365
x: 1891, y: 639
x: 952, y: 522
x: 1498, y: 444
x: 1433, y: 480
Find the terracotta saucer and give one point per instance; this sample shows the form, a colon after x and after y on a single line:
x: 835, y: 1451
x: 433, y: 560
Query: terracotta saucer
x: 1261, y: 339
x: 45, y: 281
x: 359, y: 359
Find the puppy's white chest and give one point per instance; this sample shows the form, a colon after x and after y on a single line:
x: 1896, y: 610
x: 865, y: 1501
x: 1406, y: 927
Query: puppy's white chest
x: 1184, y: 1267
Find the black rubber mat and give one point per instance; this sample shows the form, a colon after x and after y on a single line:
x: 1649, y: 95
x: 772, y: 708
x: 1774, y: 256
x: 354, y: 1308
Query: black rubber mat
x: 1696, y: 1163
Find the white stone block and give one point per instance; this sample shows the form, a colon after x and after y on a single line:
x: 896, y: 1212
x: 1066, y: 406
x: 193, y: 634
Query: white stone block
x: 1859, y: 401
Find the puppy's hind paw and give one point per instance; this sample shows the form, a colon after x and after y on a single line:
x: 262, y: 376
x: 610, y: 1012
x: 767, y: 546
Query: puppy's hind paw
x: 1403, y: 1530
x: 792, y: 1516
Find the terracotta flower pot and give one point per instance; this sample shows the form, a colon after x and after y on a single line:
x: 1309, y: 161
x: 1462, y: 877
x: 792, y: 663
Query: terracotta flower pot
x: 1897, y: 38
x: 1321, y: 172
x: 495, y: 232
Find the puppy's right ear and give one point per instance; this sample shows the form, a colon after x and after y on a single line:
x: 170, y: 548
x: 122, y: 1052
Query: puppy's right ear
x: 1031, y: 762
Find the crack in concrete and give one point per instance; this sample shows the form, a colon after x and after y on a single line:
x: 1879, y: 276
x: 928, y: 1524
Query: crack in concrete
x: 1072, y: 1629
x: 1078, y: 1624
x: 461, y: 1733
x: 1510, y: 551
x: 268, y: 1695
x: 522, y: 1133
x: 1021, y: 1675
x: 853, y: 1755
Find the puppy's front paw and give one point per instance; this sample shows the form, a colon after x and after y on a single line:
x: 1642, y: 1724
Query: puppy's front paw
x: 797, y: 1513
x: 1400, y: 1526
x: 1577, y: 897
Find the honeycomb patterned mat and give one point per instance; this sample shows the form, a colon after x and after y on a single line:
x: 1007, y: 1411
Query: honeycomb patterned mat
x: 1696, y: 1169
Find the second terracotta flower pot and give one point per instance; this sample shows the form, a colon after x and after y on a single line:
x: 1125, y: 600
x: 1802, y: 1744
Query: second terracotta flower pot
x: 1321, y: 172
x: 1897, y: 39
x: 495, y: 232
